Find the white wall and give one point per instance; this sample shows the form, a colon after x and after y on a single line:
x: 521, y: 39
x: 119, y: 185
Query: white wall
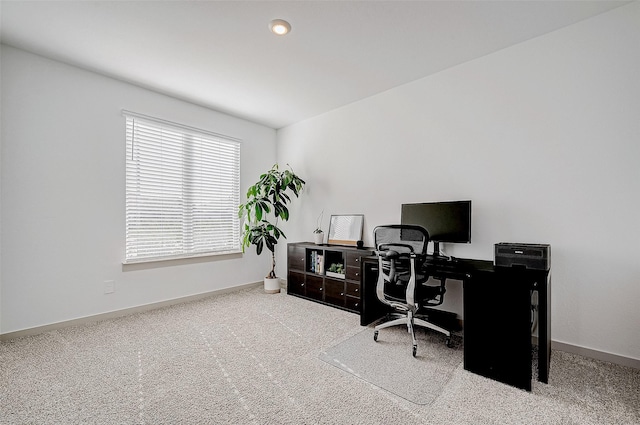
x: 543, y: 137
x: 63, y: 159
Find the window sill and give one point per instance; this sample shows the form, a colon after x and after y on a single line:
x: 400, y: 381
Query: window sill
x: 179, y: 260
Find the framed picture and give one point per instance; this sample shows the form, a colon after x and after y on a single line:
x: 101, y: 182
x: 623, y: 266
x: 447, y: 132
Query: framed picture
x: 345, y: 229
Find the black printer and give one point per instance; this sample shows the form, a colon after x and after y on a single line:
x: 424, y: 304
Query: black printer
x: 527, y: 255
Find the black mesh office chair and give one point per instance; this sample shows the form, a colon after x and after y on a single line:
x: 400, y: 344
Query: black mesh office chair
x: 402, y: 284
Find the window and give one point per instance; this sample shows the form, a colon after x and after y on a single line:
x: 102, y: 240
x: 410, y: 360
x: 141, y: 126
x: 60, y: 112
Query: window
x: 182, y: 191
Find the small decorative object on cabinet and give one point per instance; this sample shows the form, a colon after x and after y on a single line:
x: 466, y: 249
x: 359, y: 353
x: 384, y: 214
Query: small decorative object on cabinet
x: 318, y: 236
x: 326, y: 274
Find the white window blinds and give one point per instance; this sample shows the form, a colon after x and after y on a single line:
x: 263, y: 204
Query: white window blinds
x: 182, y: 191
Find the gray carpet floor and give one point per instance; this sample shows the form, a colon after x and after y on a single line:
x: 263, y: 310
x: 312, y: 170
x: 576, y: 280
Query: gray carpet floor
x: 390, y: 365
x: 251, y: 358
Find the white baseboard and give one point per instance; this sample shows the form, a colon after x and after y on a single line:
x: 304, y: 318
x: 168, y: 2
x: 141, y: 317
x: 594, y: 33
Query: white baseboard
x: 120, y: 313
x: 595, y: 354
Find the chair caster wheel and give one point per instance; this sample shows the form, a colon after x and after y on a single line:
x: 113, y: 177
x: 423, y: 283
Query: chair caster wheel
x: 415, y: 349
x: 375, y: 336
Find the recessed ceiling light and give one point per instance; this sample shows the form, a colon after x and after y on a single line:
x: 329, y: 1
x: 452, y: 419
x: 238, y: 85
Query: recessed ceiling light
x: 279, y: 26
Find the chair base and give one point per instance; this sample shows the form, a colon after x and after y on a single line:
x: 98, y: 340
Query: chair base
x: 410, y: 321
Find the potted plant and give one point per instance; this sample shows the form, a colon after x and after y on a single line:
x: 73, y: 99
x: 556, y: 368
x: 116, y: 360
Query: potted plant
x: 318, y: 234
x: 267, y: 203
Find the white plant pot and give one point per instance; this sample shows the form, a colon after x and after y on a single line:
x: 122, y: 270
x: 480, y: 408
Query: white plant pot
x: 271, y: 286
x: 318, y: 238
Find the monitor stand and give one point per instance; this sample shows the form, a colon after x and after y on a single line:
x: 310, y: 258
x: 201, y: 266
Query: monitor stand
x: 439, y: 255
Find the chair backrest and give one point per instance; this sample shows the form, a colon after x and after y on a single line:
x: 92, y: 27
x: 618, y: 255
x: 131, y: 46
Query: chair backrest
x: 399, y: 247
x: 402, y: 238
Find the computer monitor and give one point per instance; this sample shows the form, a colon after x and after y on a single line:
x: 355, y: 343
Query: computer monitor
x: 445, y: 221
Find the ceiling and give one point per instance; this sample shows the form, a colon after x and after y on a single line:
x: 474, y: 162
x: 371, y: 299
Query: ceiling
x: 220, y: 54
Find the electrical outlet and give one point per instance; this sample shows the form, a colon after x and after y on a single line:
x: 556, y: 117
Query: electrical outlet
x: 109, y: 286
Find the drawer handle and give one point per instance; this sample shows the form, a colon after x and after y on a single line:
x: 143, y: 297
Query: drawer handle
x: 357, y: 289
x: 341, y: 293
x: 357, y: 260
x: 321, y: 289
x: 357, y: 274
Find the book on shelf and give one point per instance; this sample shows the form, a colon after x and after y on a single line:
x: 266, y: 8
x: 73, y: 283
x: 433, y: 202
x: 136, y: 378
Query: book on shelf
x: 316, y: 263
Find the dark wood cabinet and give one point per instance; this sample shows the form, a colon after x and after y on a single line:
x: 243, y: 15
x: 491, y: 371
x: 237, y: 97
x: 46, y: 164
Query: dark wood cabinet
x: 326, y: 273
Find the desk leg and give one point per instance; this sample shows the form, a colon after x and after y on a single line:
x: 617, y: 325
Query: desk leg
x: 497, y: 326
x: 544, y: 330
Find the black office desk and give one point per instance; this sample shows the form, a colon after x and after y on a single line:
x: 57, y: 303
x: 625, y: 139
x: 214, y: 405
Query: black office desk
x: 497, y: 315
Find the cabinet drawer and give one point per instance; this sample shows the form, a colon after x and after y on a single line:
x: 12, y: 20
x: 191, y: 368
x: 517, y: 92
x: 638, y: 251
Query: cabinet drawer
x: 295, y: 283
x: 295, y: 257
x: 353, y: 289
x: 334, y: 292
x: 353, y: 258
x: 353, y: 303
x: 353, y: 273
x: 314, y: 287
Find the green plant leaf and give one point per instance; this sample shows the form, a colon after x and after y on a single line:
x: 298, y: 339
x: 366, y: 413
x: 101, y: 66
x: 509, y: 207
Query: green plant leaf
x: 284, y: 214
x: 268, y: 198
